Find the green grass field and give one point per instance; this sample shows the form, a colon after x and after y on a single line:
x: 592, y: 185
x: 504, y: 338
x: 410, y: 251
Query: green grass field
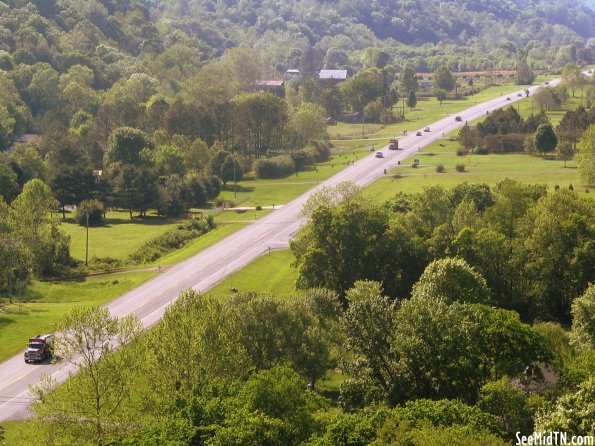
x: 428, y: 110
x: 42, y: 304
x: 118, y: 237
x: 271, y: 273
x: 283, y: 190
x: 16, y: 433
x: 489, y: 169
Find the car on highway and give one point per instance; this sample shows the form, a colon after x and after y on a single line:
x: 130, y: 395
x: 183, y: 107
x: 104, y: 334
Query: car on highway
x: 427, y: 129
x: 546, y: 83
x: 379, y: 155
x: 519, y: 95
x: 590, y: 72
x: 418, y: 134
x: 508, y: 99
x: 458, y: 119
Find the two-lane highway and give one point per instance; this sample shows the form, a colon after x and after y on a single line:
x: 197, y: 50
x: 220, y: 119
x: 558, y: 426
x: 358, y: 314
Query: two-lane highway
x: 204, y: 270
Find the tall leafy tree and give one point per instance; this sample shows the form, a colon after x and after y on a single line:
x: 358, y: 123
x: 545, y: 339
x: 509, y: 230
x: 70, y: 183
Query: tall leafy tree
x: 545, y: 139
x: 452, y: 280
x: 524, y: 73
x: 31, y: 221
x: 8, y: 183
x: 104, y: 379
x: 362, y: 89
x: 355, y: 241
x: 411, y: 99
x: 572, y: 76
x: 557, y: 234
x: 443, y: 79
x: 125, y: 146
x: 582, y: 335
x: 585, y: 157
x: 408, y: 81
x: 260, y: 119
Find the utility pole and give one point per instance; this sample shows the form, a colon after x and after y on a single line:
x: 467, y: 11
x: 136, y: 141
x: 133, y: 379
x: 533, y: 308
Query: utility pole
x: 233, y: 155
x: 10, y: 271
x: 363, y: 124
x: 87, y: 243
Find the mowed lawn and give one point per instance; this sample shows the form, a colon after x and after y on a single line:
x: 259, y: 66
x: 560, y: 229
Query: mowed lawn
x: 42, y: 304
x: 489, y: 169
x: 271, y: 273
x: 118, y: 237
x: 254, y: 192
x: 427, y: 111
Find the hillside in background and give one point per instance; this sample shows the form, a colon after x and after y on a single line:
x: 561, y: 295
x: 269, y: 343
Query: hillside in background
x: 333, y: 26
x: 62, y: 57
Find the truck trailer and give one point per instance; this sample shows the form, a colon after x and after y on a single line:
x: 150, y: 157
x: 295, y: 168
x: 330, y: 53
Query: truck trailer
x: 39, y: 348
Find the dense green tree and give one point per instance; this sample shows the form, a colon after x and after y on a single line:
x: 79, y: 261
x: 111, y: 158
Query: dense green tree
x: 488, y: 251
x: 585, y: 158
x: 260, y: 119
x: 557, y: 235
x: 411, y: 100
x: 8, y: 183
x: 452, y: 280
x: 544, y: 139
x: 443, y: 79
x: 70, y: 174
x: 196, y: 345
x: 440, y: 94
x: 573, y: 412
x: 524, y: 74
x: 546, y: 99
x: 131, y: 187
x: 273, y: 407
x: 582, y: 335
x: 494, y: 343
x: 367, y: 323
x: 572, y: 125
x: 309, y: 122
x: 468, y: 137
x: 408, y: 81
x: 125, y: 146
x: 296, y: 333
x: 509, y: 403
x: 26, y: 162
x: 355, y: 241
x: 362, y: 89
x: 32, y: 224
x: 572, y: 76
x: 226, y: 166
x: 565, y: 151
x: 101, y: 391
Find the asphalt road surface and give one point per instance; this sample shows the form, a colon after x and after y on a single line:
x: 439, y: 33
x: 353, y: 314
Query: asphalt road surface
x: 206, y: 269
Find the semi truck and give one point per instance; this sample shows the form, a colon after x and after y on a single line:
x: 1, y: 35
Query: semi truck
x: 39, y: 348
x: 393, y: 144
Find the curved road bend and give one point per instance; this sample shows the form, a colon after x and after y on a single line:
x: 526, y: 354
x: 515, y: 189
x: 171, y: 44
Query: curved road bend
x: 204, y: 270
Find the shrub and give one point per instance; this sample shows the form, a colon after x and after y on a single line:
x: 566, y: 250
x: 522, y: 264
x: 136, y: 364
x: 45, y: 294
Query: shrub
x: 258, y: 208
x: 461, y: 152
x: 460, y: 168
x: 512, y: 142
x: 440, y: 168
x: 275, y: 167
x: 301, y: 159
x: 95, y: 209
x: 172, y: 239
x: 319, y: 150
